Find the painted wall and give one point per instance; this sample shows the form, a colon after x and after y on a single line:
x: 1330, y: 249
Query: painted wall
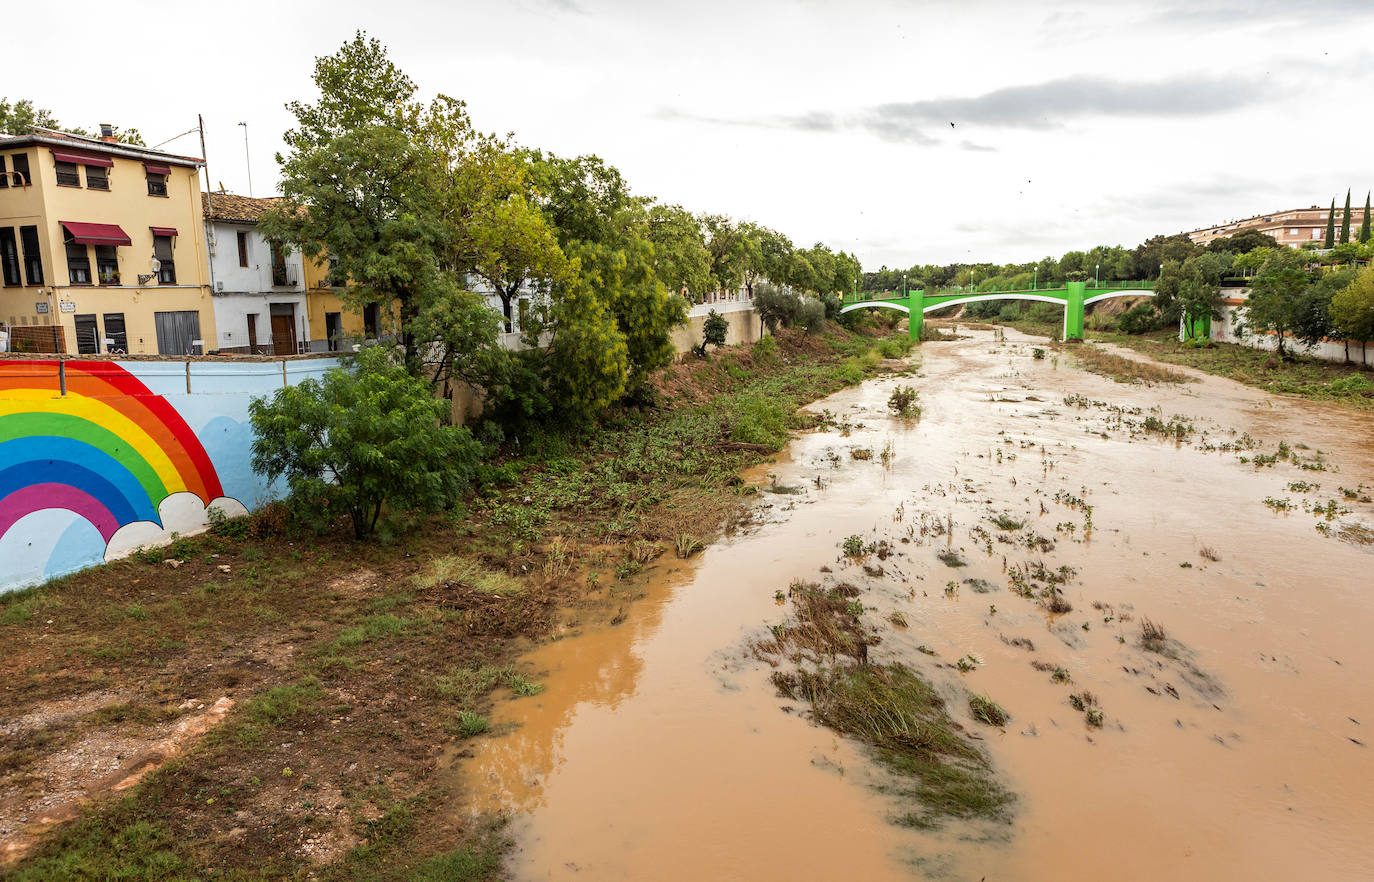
x: 743, y: 325
x: 127, y: 203
x: 129, y: 453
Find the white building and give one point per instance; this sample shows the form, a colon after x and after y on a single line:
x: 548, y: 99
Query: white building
x: 258, y: 289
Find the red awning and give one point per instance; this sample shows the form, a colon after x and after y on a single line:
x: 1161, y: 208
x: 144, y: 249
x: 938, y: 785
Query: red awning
x: 152, y: 169
x: 164, y: 231
x: 82, y: 159
x: 95, y: 234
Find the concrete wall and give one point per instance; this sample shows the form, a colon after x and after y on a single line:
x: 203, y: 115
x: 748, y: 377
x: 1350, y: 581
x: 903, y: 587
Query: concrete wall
x: 1224, y: 330
x: 742, y: 325
x: 100, y: 457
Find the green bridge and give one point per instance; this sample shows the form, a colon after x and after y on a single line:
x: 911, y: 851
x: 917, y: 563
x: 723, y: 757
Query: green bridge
x: 1074, y: 296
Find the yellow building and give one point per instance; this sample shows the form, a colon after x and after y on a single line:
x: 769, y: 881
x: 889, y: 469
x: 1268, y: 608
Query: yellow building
x: 102, y: 247
x: 327, y: 312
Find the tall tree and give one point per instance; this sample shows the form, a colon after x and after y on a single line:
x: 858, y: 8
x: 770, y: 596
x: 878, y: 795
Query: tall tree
x: 1276, y: 296
x: 1352, y: 311
x: 21, y: 116
x: 680, y: 256
x: 1331, y: 227
x: 1345, y: 219
x: 1364, y: 225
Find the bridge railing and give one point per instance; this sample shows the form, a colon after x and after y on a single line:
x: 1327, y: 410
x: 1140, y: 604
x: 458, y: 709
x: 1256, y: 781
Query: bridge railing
x: 971, y: 290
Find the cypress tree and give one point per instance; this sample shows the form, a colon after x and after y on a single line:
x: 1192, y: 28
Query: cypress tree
x: 1331, y: 227
x: 1345, y: 221
x: 1364, y: 226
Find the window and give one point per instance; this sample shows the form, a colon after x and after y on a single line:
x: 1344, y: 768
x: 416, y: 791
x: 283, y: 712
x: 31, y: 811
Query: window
x: 333, y: 329
x: 106, y: 265
x: 167, y: 270
x: 177, y: 332
x: 9, y: 256
x: 1317, y: 233
x: 67, y: 175
x: 33, y: 257
x: 78, y: 264
x: 96, y: 179
x: 114, y: 333
x: 278, y: 266
x: 1292, y: 231
x: 4, y: 177
x: 243, y: 248
x: 87, y: 335
x: 157, y: 184
x: 21, y: 167
x: 370, y: 321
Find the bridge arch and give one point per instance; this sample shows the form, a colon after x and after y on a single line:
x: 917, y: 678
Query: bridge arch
x: 1143, y: 292
x: 875, y: 304
x: 981, y: 298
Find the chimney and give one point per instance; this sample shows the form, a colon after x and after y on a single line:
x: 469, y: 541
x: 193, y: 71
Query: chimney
x: 107, y: 133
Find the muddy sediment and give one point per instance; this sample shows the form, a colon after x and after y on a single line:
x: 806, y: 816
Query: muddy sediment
x: 1182, y: 665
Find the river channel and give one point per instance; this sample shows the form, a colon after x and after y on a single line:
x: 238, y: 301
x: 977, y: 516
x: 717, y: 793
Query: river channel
x: 660, y: 749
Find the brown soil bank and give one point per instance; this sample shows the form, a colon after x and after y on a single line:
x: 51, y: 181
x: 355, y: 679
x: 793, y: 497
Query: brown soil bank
x: 271, y: 703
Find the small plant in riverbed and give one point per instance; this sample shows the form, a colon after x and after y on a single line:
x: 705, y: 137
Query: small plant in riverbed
x: 1152, y: 635
x: 1279, y: 504
x: 861, y: 453
x: 1057, y: 603
x: 1093, y: 717
x: 966, y: 664
x: 951, y: 558
x: 687, y: 545
x: 1008, y: 523
x: 853, y: 546
x: 1061, y: 675
x: 1081, y: 701
x: 888, y: 453
x: 1037, y: 353
x: 779, y: 597
x: 951, y: 588
x: 1208, y: 553
x: 902, y: 402
x: 472, y: 724
x: 985, y: 710
x: 897, y: 619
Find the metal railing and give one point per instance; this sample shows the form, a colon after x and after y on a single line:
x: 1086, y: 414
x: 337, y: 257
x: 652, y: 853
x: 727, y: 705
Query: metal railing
x: 974, y: 290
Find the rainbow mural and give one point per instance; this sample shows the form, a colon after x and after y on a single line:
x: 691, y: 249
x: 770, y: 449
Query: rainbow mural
x: 109, y: 450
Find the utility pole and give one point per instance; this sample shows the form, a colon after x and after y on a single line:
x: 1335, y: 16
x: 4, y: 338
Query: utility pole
x: 248, y: 159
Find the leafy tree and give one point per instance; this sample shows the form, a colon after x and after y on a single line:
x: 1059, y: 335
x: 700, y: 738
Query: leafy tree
x: 586, y: 363
x: 457, y: 337
x: 22, y: 116
x: 1159, y: 249
x: 1352, y: 310
x: 1276, y: 297
x: 1364, y: 224
x: 1345, y: 220
x: 1138, y: 319
x: 361, y: 439
x: 369, y: 180
x: 713, y: 332
x: 731, y: 250
x: 775, y: 306
x: 1243, y: 242
x: 680, y: 258
x: 1330, y: 241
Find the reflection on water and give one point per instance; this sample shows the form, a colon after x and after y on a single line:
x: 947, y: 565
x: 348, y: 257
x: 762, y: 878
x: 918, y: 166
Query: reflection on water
x: 659, y: 749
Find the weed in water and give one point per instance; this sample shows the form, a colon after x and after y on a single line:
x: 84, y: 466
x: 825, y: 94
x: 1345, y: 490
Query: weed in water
x: 471, y: 724
x: 985, y: 710
x: 1208, y: 553
x: 951, y: 558
x: 1008, y: 523
x: 902, y: 402
x: 1061, y: 675
x: 1152, y: 635
x: 861, y: 453
x: 853, y: 546
x: 897, y: 619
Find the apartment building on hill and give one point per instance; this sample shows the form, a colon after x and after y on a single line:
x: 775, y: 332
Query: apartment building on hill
x: 102, y: 247
x: 1294, y: 227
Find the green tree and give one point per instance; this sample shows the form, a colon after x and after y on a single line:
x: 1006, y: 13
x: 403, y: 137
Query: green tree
x: 369, y: 179
x: 361, y: 439
x: 1345, y: 219
x: 1330, y: 241
x: 22, y: 116
x: 1276, y: 297
x: 1242, y: 242
x: 1352, y: 311
x: 680, y: 256
x: 713, y: 332
x: 1364, y: 224
x: 457, y: 337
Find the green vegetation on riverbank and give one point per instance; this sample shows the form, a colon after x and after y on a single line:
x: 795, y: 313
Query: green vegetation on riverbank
x: 351, y: 664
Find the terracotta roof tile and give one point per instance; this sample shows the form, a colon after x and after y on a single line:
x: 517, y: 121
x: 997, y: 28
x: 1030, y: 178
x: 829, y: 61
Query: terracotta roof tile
x: 234, y: 208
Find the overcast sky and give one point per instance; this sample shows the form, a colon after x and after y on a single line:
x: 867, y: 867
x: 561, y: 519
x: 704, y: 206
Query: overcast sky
x: 902, y: 131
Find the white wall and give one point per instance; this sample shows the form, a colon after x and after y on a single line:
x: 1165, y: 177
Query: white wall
x: 1224, y: 330
x: 239, y: 291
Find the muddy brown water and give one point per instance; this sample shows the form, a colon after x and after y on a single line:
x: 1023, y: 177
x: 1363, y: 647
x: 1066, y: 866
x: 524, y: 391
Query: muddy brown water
x: 659, y: 749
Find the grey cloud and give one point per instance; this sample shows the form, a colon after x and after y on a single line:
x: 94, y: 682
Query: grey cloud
x: 976, y: 148
x: 1259, y: 12
x: 1041, y: 106
x: 1050, y: 104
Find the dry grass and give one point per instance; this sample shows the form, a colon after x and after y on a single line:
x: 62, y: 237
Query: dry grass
x: 451, y: 571
x: 1125, y: 370
x: 1152, y: 635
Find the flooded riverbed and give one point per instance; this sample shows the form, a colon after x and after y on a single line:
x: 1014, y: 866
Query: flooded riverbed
x: 1233, y: 747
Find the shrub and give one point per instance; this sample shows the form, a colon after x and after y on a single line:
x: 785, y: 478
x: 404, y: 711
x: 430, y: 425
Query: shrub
x: 902, y: 402
x: 811, y: 315
x: 1138, y: 319
x: 758, y: 419
x: 775, y: 306
x: 985, y: 710
x: 361, y: 438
